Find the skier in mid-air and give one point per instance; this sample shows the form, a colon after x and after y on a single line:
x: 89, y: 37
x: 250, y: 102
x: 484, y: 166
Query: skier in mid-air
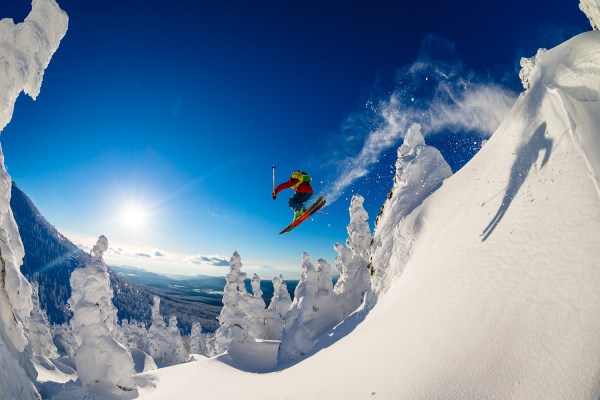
x: 300, y: 183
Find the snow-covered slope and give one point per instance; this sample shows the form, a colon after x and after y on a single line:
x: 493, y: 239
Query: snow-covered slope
x: 499, y: 296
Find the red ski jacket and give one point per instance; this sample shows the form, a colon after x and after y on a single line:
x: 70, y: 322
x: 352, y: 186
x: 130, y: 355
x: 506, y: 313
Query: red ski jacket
x: 302, y: 188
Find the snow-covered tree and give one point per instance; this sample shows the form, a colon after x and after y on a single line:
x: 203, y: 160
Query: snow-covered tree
x: 258, y: 306
x: 315, y: 309
x: 27, y: 48
x: 39, y: 331
x: 179, y: 354
x: 352, y: 262
x: 209, y: 339
x: 238, y: 318
x: 591, y: 8
x: 196, y: 339
x: 136, y: 334
x: 158, y: 336
x: 420, y: 171
x: 100, y: 359
x: 64, y: 339
x: 278, y: 308
x: 257, y: 291
x: 17, y: 374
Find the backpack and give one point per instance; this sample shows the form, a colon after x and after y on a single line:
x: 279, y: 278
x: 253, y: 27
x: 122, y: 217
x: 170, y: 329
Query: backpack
x: 302, y: 177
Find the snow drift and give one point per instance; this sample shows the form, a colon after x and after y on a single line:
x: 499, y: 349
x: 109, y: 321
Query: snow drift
x: 497, y: 296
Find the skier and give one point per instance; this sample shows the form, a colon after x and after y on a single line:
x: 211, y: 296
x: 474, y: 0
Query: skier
x: 300, y: 183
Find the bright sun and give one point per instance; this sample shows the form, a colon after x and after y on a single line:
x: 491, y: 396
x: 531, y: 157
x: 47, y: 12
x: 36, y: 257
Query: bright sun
x: 133, y: 217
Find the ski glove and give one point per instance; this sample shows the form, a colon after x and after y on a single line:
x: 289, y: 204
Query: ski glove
x: 274, y: 195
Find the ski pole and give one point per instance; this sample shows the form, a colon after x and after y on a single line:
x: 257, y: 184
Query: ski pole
x: 273, y: 176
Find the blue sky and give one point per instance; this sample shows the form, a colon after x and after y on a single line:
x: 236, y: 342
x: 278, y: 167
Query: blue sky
x: 180, y: 108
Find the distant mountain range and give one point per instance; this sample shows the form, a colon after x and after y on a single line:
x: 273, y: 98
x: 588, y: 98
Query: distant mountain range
x: 50, y: 258
x: 199, y: 288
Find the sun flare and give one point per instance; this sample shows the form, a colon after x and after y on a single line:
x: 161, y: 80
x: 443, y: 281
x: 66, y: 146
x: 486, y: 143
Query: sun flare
x: 134, y: 217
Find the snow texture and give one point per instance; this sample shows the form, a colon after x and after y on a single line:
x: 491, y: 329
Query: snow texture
x: 278, y: 308
x: 239, y: 319
x: 100, y: 359
x: 352, y: 262
x: 142, y: 361
x: 16, y: 378
x: 136, y: 335
x: 528, y: 68
x: 64, y: 339
x: 25, y: 52
x: 158, y: 336
x: 179, y: 354
x: 196, y: 342
x: 420, y: 171
x: 39, y: 332
x: 591, y: 8
x: 316, y: 308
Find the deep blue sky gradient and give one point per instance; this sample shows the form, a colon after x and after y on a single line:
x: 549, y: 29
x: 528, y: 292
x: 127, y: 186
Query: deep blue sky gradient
x: 185, y: 105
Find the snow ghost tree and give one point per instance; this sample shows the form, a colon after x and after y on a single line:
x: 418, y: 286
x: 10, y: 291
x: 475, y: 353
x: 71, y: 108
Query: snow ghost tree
x: 179, y: 353
x: 100, y: 359
x: 315, y: 309
x: 352, y: 262
x: 278, y: 308
x: 257, y: 306
x: 39, y: 329
x: 420, y: 171
x: 591, y: 8
x: 196, y: 345
x: 158, y: 336
x: 528, y: 67
x: 26, y: 52
x: 64, y: 339
x: 257, y: 291
x: 17, y: 374
x: 100, y: 247
x: 238, y: 318
x: 136, y: 334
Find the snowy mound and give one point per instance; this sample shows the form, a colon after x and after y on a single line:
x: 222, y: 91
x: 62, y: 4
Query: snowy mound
x: 497, y: 295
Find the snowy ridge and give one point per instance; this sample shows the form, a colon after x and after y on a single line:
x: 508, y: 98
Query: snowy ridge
x: 420, y: 170
x: 498, y: 295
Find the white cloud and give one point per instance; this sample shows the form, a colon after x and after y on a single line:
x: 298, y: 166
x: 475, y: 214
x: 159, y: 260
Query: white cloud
x: 215, y: 260
x: 169, y: 262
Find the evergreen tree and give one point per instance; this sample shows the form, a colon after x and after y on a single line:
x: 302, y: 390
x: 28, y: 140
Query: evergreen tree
x: 278, y: 308
x: 352, y: 262
x: 179, y: 354
x: 315, y: 309
x: 238, y: 318
x: 99, y: 357
x: 158, y: 336
x: 196, y: 345
x: 39, y: 331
